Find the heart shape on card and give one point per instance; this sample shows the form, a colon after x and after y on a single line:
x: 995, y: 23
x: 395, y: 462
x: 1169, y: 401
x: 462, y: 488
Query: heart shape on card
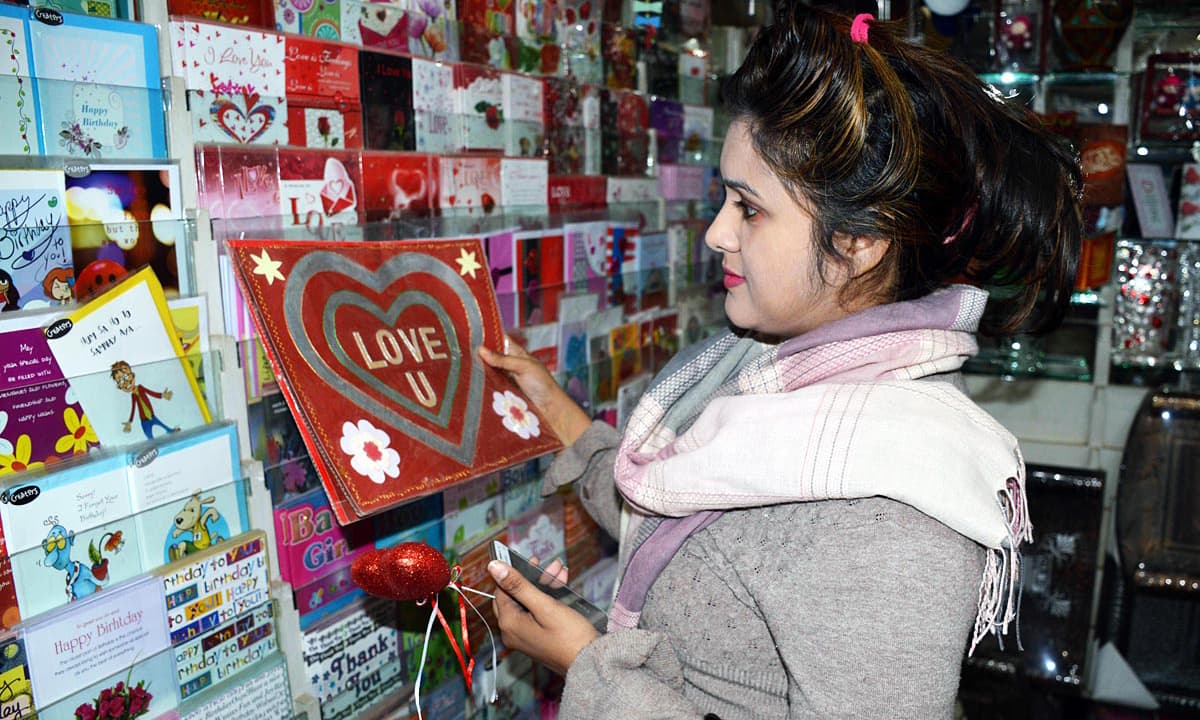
x: 243, y: 126
x: 337, y: 192
x: 353, y: 365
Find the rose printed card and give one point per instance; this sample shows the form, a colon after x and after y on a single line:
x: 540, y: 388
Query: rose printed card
x: 469, y: 185
x: 126, y: 364
x: 35, y: 248
x: 480, y: 107
x: 387, y: 92
x: 320, y: 191
x: 20, y: 136
x: 98, y: 91
x: 323, y: 94
x: 392, y: 326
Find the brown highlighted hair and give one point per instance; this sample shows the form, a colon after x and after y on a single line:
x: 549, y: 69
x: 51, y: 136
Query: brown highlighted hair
x: 893, y: 140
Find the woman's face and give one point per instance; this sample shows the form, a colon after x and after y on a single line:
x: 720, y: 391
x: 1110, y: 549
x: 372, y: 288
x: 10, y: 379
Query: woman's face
x: 765, y: 238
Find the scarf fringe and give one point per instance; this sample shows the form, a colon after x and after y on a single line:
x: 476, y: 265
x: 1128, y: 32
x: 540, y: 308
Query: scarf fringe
x: 1000, y: 589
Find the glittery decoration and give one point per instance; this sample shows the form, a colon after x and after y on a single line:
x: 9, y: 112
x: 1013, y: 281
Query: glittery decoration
x: 1189, y: 307
x: 409, y: 571
x: 1146, y: 303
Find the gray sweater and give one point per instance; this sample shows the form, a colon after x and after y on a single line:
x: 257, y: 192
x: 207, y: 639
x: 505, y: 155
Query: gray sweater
x: 827, y: 609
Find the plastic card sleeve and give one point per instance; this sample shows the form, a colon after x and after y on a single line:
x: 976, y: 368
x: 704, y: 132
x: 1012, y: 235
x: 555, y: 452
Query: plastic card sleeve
x: 263, y: 693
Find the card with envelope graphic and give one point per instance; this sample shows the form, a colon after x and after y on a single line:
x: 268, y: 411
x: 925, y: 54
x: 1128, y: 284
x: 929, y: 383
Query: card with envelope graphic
x: 319, y: 190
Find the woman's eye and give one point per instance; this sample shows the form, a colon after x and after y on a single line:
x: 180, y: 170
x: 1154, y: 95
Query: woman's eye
x: 748, y: 211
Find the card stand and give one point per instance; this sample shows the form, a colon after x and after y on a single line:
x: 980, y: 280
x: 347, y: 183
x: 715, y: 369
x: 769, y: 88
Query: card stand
x: 93, y: 539
x: 89, y: 120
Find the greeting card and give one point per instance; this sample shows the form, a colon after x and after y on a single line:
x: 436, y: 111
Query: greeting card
x: 387, y: 92
x: 126, y: 363
x: 250, y: 186
x: 1187, y: 222
x: 391, y: 326
x: 324, y: 124
x: 314, y: 19
x: 697, y: 133
x: 619, y: 46
x: 115, y: 636
x: 261, y: 693
x: 21, y: 135
x: 488, y: 28
x: 224, y: 651
x: 537, y: 37
x: 251, y: 13
x: 579, y: 35
x: 72, y: 525
x: 188, y: 494
x: 587, y: 261
x: 469, y: 185
x: 397, y: 183
x: 35, y: 250
x: 349, y: 647
x: 577, y: 192
x: 320, y: 191
x: 1148, y: 188
x: 310, y: 541
x: 539, y: 275
x: 524, y: 183
x: 625, y: 351
x: 539, y: 531
x: 98, y: 90
x: 437, y: 124
x: 525, y: 128
x: 498, y: 248
x: 480, y: 107
x: 659, y: 63
x: 237, y: 114
x: 234, y: 59
x: 213, y: 586
x: 693, y: 76
x: 625, y: 118
x: 433, y: 29
x: 17, y: 702
x: 123, y: 217
x: 564, y: 133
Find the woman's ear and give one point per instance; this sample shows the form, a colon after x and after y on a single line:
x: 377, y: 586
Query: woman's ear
x: 863, y: 252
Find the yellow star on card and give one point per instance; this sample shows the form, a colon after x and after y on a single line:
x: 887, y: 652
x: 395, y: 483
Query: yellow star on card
x: 268, y: 268
x: 467, y: 263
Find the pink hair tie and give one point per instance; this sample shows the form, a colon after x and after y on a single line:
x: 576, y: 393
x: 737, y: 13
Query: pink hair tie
x: 859, y: 28
x: 967, y: 219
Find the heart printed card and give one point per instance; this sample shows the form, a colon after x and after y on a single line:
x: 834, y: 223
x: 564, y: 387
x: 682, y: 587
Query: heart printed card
x: 374, y: 347
x: 320, y: 191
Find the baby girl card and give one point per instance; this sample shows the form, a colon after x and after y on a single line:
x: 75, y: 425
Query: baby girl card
x: 525, y: 128
x: 480, y: 106
x: 98, y: 91
x: 126, y: 365
x: 16, y: 84
x: 469, y: 185
x: 387, y: 92
x: 320, y: 192
x: 35, y: 248
x: 433, y: 105
x: 72, y: 525
x: 373, y: 344
x: 396, y: 183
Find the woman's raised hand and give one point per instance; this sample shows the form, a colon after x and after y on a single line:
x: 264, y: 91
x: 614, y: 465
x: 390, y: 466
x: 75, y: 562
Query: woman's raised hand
x: 565, y: 417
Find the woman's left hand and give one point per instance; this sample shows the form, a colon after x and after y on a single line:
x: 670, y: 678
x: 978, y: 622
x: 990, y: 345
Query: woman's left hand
x: 535, y: 623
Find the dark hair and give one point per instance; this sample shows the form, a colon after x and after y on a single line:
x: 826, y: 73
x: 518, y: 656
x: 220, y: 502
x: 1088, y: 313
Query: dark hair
x: 894, y: 140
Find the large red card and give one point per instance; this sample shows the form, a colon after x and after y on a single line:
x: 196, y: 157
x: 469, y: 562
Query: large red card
x: 374, y: 347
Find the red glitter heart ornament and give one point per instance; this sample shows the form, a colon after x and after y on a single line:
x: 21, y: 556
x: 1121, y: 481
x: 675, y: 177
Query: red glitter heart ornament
x: 409, y: 571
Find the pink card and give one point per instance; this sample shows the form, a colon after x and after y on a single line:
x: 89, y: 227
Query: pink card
x: 469, y: 184
x: 250, y: 182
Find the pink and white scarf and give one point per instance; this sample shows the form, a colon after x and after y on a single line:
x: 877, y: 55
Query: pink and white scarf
x: 832, y: 414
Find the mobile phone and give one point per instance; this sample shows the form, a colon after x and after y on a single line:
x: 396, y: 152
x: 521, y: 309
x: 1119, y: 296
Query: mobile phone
x: 564, y: 594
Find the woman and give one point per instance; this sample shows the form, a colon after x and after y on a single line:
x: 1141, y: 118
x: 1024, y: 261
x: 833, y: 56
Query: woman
x: 819, y: 519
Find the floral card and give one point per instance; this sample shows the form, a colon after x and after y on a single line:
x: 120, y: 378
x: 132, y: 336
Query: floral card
x: 537, y: 36
x: 387, y: 91
x: 98, y: 88
x: 16, y: 84
x: 35, y: 249
x: 480, y: 107
x: 95, y: 643
x: 392, y: 326
x: 313, y: 19
x: 320, y: 191
x: 126, y: 364
x: 324, y: 124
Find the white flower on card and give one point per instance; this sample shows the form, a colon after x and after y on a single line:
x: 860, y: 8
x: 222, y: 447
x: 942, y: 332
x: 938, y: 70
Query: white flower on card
x: 369, y: 451
x: 515, y: 414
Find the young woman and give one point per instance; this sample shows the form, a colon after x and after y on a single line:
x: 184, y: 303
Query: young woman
x: 817, y: 521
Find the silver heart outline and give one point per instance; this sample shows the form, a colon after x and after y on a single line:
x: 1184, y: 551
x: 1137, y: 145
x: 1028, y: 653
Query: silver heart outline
x: 402, y: 302
x: 392, y: 269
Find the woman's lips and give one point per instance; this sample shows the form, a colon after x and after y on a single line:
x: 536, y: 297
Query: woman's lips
x: 732, y: 279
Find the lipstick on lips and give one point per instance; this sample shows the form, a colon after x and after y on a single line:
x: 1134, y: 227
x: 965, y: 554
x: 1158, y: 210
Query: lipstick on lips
x: 732, y: 279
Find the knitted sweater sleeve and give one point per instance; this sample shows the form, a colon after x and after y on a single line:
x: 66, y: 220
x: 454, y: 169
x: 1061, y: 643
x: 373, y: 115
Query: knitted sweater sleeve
x: 589, y: 462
